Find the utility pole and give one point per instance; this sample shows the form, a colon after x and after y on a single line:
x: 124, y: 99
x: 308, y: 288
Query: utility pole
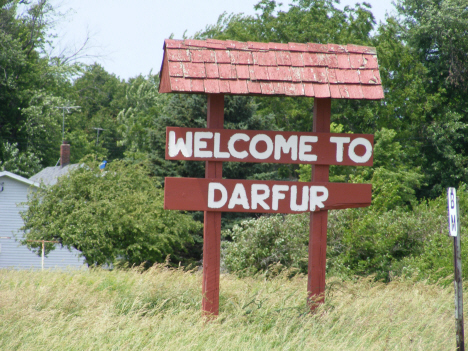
x: 98, y: 130
x: 68, y: 108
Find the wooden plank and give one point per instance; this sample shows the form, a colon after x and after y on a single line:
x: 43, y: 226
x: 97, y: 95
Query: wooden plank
x: 459, y: 324
x: 196, y: 144
x: 318, y: 220
x: 212, y: 220
x: 231, y: 195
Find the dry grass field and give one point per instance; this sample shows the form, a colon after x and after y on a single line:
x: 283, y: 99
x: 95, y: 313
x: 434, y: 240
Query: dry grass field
x: 159, y: 309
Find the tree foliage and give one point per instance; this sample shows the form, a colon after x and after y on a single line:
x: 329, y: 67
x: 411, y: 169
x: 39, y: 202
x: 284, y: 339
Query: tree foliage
x: 111, y: 216
x: 420, y: 135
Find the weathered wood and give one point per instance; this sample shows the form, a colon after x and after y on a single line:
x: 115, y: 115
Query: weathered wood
x: 196, y: 194
x: 460, y: 334
x: 318, y: 220
x: 195, y: 144
x: 212, y: 220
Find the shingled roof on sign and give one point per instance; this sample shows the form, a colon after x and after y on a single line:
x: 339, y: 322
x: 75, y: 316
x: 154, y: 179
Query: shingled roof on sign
x: 294, y: 69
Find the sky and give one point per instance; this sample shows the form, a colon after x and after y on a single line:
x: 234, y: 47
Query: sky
x: 127, y: 37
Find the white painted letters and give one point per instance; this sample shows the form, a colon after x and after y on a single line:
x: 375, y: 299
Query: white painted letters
x: 367, y: 155
x: 306, y: 148
x: 278, y: 195
x: 180, y: 146
x: 211, y: 195
x: 286, y: 146
x: 315, y: 199
x: 340, y: 141
x: 253, y: 147
x: 199, y: 144
x: 232, y: 150
x: 259, y: 199
x: 217, y: 142
x: 305, y: 199
x: 239, y: 197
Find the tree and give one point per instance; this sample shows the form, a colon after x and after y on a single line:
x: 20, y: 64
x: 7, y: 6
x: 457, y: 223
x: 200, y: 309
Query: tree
x: 25, y: 164
x: 111, y: 216
x: 101, y: 96
x: 31, y: 82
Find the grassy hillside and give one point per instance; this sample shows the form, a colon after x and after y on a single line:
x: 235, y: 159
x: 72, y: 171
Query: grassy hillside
x: 160, y: 310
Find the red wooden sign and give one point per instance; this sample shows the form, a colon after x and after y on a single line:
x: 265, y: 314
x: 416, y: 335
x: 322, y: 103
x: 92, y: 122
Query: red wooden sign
x: 230, y: 195
x: 217, y: 67
x: 201, y: 144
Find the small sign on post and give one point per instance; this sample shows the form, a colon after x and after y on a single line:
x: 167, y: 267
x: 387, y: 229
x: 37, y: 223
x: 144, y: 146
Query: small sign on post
x: 454, y: 231
x: 452, y: 211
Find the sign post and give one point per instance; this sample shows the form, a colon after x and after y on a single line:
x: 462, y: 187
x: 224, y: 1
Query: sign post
x: 320, y: 71
x: 212, y: 220
x: 318, y: 220
x: 454, y: 231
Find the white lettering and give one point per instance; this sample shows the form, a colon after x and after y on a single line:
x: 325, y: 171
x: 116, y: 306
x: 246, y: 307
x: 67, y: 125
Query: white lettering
x: 253, y: 147
x: 286, y: 146
x: 180, y: 146
x: 239, y: 197
x: 259, y: 199
x: 340, y: 141
x: 315, y: 199
x: 305, y: 199
x: 232, y: 150
x: 277, y: 195
x: 305, y: 148
x: 211, y: 195
x: 199, y: 144
x: 360, y: 159
x: 217, y: 142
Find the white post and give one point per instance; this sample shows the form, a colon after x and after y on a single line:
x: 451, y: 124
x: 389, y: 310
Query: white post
x: 43, y: 247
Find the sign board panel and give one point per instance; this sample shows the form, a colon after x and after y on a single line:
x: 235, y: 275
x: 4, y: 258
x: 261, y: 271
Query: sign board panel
x: 202, y: 144
x: 230, y: 195
x: 452, y: 211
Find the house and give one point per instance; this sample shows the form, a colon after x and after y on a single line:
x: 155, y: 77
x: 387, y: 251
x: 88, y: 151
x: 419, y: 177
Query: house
x: 14, y: 190
x: 49, y: 175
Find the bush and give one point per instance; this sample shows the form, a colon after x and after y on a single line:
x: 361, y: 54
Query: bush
x: 115, y: 216
x: 360, y: 242
x: 259, y: 243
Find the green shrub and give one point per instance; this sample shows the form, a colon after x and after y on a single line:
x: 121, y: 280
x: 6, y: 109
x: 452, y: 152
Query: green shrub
x: 259, y: 243
x: 360, y: 242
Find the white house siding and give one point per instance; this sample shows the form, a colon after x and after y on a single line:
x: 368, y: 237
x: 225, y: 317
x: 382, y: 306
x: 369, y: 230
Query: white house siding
x: 12, y: 253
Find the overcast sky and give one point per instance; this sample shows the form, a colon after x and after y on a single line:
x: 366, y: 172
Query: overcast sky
x: 127, y: 36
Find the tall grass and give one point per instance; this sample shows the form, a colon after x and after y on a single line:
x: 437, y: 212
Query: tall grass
x: 159, y: 309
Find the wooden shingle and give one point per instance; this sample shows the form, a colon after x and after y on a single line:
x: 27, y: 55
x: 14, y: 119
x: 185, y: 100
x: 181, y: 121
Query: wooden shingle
x: 293, y: 69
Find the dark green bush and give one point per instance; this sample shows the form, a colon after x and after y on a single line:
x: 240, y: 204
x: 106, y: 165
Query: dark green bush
x: 360, y: 242
x: 259, y: 243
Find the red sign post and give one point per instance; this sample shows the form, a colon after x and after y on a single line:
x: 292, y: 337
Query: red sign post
x: 216, y: 67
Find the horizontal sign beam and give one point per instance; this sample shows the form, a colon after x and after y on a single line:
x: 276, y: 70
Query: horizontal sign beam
x: 201, y: 144
x: 230, y: 195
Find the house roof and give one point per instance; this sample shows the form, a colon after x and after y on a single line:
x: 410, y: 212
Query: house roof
x: 50, y: 175
x: 293, y: 69
x: 19, y: 178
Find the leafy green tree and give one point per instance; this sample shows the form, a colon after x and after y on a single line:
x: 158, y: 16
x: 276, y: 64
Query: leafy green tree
x: 432, y: 100
x: 30, y: 81
x: 109, y: 216
x: 24, y: 164
x: 101, y: 97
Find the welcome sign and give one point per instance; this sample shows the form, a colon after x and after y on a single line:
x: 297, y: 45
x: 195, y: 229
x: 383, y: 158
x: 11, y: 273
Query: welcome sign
x: 320, y: 71
x: 267, y: 146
